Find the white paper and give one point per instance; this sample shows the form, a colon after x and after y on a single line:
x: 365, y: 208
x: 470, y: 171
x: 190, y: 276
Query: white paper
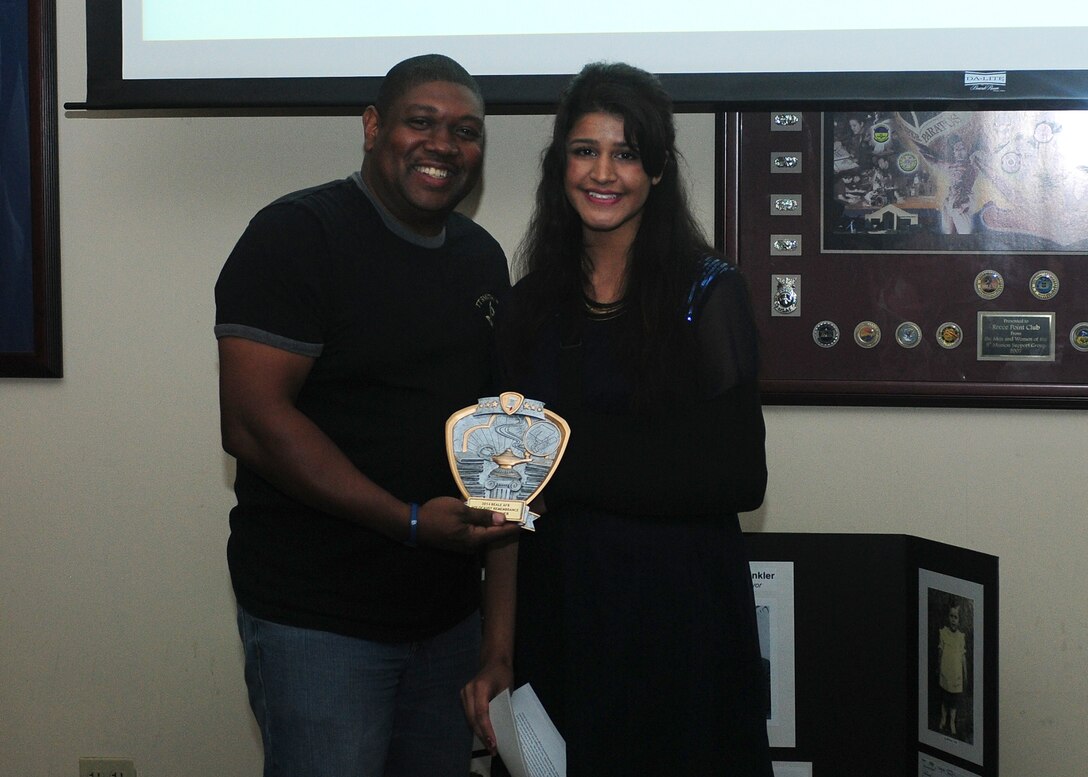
x: 528, y: 742
x: 792, y: 768
x: 928, y: 766
x: 772, y: 584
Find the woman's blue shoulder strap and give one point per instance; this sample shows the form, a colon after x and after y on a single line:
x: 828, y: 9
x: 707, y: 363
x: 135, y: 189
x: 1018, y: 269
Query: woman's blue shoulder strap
x: 712, y: 267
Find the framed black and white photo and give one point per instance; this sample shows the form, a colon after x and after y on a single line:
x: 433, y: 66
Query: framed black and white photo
x: 951, y: 664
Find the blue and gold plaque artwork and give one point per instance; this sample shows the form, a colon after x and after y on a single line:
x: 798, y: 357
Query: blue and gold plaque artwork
x: 949, y: 334
x: 989, y: 284
x: 867, y: 334
x: 1044, y: 284
x: 908, y: 334
x: 826, y: 334
x: 503, y: 451
x: 881, y: 134
x: 1078, y: 336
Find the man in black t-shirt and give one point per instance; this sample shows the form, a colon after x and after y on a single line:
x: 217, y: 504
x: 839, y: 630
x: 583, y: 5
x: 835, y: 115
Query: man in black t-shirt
x: 353, y: 318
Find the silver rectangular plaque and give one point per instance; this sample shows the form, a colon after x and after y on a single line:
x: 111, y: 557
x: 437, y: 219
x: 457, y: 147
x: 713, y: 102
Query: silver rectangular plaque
x: 1015, y: 337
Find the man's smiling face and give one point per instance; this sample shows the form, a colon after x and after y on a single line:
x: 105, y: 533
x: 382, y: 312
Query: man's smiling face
x: 425, y: 155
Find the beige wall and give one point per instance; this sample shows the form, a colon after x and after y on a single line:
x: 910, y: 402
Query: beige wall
x: 116, y: 616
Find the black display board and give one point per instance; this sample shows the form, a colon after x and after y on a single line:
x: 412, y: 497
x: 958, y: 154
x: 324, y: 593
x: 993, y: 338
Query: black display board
x: 868, y: 611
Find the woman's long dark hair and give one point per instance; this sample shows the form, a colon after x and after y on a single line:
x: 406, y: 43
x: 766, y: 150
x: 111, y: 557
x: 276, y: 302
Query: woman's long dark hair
x: 669, y: 243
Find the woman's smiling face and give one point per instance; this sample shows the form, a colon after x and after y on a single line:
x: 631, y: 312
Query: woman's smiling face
x: 605, y: 181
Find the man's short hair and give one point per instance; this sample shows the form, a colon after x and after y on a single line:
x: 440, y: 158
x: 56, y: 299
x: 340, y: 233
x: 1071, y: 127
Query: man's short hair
x: 423, y: 69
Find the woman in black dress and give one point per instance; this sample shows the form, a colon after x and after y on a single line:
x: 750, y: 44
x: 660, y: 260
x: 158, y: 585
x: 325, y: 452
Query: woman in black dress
x: 635, y: 620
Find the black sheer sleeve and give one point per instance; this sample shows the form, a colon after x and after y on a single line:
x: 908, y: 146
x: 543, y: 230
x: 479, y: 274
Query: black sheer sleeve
x: 725, y: 335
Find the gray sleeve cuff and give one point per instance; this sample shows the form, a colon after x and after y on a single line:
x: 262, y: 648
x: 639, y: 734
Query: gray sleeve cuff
x: 313, y: 350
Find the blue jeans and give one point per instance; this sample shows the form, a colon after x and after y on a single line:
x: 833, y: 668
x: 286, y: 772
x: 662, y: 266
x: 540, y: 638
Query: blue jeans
x: 335, y: 706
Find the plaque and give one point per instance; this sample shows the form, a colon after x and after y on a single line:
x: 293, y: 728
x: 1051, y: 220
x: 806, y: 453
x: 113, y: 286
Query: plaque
x: 786, y: 122
x: 1011, y: 337
x: 786, y: 162
x: 867, y: 334
x: 786, y: 295
x: 785, y: 204
x: 908, y: 334
x: 1078, y: 336
x: 826, y: 334
x: 989, y: 284
x: 949, y: 335
x: 503, y: 451
x: 785, y: 245
x: 1044, y: 285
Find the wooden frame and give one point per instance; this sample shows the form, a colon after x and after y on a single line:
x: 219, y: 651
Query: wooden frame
x: 912, y: 318
x: 30, y: 322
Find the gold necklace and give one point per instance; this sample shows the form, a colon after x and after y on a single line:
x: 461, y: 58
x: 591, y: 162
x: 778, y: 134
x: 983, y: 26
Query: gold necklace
x: 603, y: 311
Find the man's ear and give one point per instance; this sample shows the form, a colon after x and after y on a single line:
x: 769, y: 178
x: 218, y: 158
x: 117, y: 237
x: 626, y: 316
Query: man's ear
x: 372, y: 124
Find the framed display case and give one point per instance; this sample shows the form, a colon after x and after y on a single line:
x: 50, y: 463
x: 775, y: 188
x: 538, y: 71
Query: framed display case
x: 913, y: 257
x: 30, y: 336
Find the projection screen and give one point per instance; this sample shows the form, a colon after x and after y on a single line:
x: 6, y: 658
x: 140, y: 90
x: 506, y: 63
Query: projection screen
x: 216, y: 53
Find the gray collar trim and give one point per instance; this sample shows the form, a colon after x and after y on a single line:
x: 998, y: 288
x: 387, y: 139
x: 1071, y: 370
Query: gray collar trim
x: 395, y: 226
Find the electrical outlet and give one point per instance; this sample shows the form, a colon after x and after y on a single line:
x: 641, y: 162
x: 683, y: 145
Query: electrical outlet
x: 106, y: 767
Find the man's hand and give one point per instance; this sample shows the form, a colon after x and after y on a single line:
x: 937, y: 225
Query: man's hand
x: 449, y: 524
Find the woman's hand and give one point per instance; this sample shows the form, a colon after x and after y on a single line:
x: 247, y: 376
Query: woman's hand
x: 488, y: 683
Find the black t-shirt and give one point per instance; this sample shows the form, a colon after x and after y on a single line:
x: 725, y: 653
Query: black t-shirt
x: 400, y: 330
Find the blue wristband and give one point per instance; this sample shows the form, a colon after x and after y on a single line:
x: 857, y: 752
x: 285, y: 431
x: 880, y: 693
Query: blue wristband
x: 413, y: 524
